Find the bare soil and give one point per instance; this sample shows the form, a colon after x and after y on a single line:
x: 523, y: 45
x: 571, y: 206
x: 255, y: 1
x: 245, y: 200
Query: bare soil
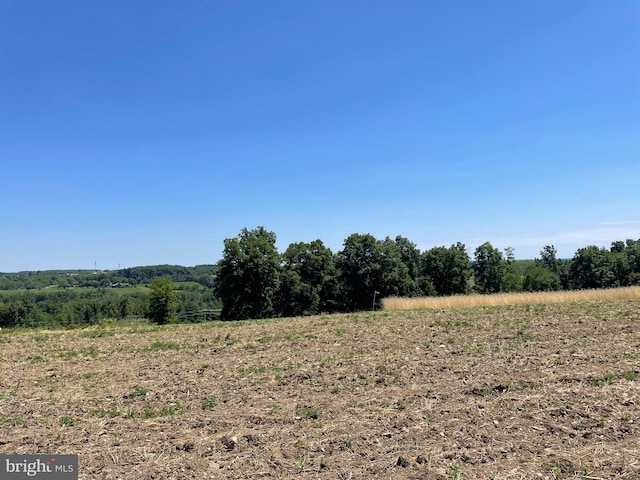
x: 537, y: 391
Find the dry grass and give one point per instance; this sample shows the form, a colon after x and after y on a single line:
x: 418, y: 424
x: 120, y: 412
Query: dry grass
x: 508, y: 392
x: 527, y: 298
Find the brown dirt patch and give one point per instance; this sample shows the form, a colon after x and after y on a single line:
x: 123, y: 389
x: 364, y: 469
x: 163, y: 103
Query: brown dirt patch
x: 541, y: 391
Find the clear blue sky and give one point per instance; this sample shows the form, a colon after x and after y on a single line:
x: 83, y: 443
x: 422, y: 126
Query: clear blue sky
x: 146, y: 132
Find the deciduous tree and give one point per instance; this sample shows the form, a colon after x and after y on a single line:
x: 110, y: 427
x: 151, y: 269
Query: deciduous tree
x: 410, y: 256
x: 249, y: 275
x: 162, y: 300
x: 488, y: 269
x: 446, y: 271
x: 309, y: 279
x: 591, y: 268
x: 548, y: 257
x: 512, y: 278
x: 540, y: 279
x: 367, y: 265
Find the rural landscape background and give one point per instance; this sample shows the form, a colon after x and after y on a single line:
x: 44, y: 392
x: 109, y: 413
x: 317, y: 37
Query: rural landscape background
x: 254, y: 280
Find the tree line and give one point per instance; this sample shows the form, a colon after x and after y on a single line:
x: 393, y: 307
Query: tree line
x: 88, y: 306
x: 64, y: 298
x: 68, y: 307
x: 34, y: 280
x: 254, y: 280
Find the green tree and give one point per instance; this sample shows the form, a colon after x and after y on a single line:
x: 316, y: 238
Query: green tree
x: 591, y: 267
x: 308, y: 283
x: 358, y: 266
x: 617, y: 247
x: 512, y: 279
x: 632, y: 252
x: 248, y: 275
x: 538, y: 278
x: 548, y: 257
x: 368, y: 266
x: 625, y: 262
x: 621, y: 269
x: 488, y: 269
x: 410, y: 256
x: 395, y: 276
x: 6, y: 319
x: 550, y: 261
x: 545, y: 274
x: 445, y: 271
x: 296, y: 297
x: 162, y: 300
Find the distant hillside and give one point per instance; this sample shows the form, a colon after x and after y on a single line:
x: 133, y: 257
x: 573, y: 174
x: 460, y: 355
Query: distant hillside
x: 33, y: 280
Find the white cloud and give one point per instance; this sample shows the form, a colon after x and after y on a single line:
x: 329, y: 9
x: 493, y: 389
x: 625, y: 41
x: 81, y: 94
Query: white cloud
x: 623, y: 222
x: 568, y: 242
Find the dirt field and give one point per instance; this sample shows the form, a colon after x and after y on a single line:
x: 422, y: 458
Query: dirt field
x: 539, y: 391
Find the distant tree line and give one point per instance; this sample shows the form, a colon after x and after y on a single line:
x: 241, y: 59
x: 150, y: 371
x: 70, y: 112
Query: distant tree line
x: 88, y: 306
x: 67, y: 307
x: 84, y: 297
x: 253, y: 280
x: 201, y: 274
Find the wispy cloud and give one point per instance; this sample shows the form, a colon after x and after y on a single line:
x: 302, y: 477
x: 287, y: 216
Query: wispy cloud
x: 623, y: 222
x: 567, y: 242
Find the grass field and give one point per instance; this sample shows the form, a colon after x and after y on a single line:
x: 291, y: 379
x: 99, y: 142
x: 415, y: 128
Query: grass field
x: 502, y: 392
x: 525, y: 298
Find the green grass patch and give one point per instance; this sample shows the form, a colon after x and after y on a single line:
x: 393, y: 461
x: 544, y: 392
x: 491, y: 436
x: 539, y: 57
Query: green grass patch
x: 606, y: 379
x: 67, y: 421
x: 155, y: 346
x: 307, y: 412
x: 98, y: 333
x: 170, y: 409
x: 209, y: 403
x: 102, y: 413
x: 11, y: 421
x: 68, y: 354
x: 137, y: 391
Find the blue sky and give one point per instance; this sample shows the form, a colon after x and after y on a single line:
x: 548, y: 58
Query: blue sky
x: 147, y: 132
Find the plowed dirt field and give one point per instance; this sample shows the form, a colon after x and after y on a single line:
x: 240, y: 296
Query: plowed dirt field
x: 539, y: 391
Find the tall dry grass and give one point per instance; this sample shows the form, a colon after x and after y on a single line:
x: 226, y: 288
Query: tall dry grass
x: 460, y: 301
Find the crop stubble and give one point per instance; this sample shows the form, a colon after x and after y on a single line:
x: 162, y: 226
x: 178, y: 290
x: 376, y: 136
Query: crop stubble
x: 530, y: 391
